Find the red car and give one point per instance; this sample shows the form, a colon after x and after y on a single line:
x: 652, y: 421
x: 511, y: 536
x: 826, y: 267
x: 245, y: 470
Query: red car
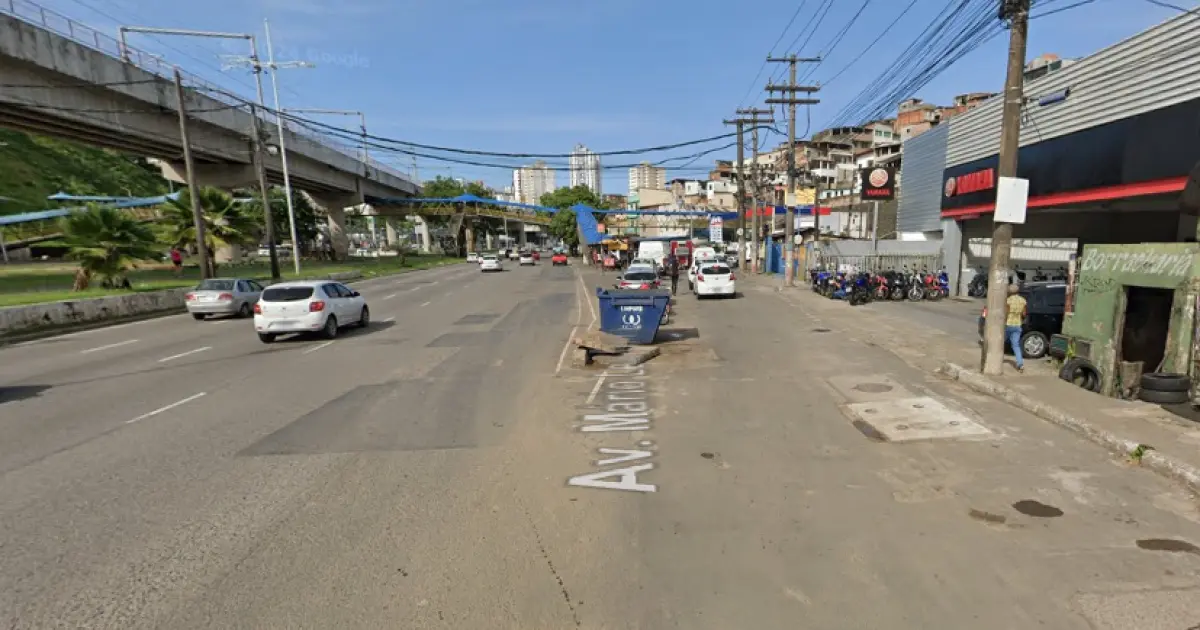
x: 558, y: 258
x: 536, y: 255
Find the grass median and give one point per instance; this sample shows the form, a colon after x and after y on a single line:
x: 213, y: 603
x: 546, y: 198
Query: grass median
x: 39, y: 283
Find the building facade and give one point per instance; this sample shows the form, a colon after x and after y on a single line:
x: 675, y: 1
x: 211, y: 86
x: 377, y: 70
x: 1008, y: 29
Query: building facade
x: 1108, y: 145
x: 646, y: 175
x: 585, y: 169
x: 531, y: 182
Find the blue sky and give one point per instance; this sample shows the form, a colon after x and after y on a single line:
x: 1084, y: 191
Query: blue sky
x: 538, y: 76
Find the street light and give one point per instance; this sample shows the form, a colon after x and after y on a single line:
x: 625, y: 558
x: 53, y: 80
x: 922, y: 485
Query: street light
x: 287, y: 180
x: 260, y: 169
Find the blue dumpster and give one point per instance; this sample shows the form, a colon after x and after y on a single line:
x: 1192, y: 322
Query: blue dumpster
x: 632, y: 313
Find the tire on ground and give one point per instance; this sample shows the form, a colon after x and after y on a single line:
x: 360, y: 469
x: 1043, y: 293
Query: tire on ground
x: 1164, y: 397
x: 1166, y: 382
x: 1082, y: 373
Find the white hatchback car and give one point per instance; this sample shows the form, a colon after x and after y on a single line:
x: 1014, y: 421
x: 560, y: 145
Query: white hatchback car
x: 472, y: 257
x: 526, y: 259
x: 490, y: 262
x: 715, y: 278
x: 319, y: 306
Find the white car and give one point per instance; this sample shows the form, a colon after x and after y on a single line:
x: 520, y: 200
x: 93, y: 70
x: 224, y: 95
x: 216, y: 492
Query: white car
x: 525, y: 259
x: 513, y: 254
x: 490, y: 262
x: 715, y: 278
x: 472, y: 257
x: 319, y: 306
x: 694, y: 269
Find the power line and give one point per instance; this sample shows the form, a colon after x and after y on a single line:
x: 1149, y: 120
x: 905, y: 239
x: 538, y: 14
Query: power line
x: 782, y: 34
x: 1061, y: 9
x: 877, y: 39
x: 1168, y: 5
x: 357, y: 134
x: 820, y: 14
x: 837, y: 39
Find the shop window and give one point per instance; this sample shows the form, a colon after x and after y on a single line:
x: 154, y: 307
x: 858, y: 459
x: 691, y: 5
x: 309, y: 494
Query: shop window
x: 1147, y: 319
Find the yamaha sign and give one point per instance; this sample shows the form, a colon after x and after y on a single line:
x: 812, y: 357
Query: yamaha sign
x: 977, y: 181
x: 878, y: 184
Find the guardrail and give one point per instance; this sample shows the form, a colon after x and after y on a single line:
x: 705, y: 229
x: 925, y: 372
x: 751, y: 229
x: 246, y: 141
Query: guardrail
x: 80, y: 33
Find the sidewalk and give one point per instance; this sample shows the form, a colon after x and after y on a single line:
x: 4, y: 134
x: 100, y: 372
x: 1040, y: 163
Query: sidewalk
x: 1118, y: 425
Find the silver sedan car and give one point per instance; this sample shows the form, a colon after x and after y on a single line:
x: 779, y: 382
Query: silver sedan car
x: 223, y: 296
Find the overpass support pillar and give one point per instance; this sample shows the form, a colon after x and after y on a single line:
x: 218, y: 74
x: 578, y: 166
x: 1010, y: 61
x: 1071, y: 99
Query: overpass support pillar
x: 426, y: 243
x: 470, y: 236
x: 521, y: 235
x: 488, y: 243
x: 389, y: 228
x: 335, y: 206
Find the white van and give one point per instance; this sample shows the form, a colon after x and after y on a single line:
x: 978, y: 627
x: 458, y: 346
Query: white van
x: 653, y: 250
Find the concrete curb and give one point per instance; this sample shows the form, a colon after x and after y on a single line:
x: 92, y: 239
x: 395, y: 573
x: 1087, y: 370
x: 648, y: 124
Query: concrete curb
x: 1153, y: 460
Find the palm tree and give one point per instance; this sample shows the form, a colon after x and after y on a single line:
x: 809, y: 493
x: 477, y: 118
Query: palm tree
x: 226, y: 222
x: 107, y: 243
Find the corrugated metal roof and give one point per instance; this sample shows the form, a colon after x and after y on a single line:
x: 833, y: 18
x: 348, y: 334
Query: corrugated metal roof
x: 1154, y: 69
x: 125, y: 202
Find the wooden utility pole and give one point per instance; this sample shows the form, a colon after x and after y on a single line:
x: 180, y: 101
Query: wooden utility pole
x: 1017, y: 14
x: 754, y: 121
x: 193, y: 190
x: 756, y: 181
x: 260, y: 169
x: 790, y: 90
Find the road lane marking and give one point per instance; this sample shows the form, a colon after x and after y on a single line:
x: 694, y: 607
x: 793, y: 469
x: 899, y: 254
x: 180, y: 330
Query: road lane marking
x: 426, y: 303
x: 591, y: 307
x: 595, y: 390
x: 388, y: 297
x: 390, y: 319
x: 106, y: 347
x: 570, y: 338
x: 168, y: 407
x: 318, y: 347
x: 184, y: 354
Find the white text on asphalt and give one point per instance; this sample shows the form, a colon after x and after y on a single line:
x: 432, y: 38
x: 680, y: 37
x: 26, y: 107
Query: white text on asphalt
x: 626, y: 408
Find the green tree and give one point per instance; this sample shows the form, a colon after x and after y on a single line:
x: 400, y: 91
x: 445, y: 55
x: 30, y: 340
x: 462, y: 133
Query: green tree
x: 479, y: 190
x: 562, y: 225
x: 441, y: 188
x: 226, y: 222
x: 566, y: 197
x: 307, y: 219
x: 106, y: 242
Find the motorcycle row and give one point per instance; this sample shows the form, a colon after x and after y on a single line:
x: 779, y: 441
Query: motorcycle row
x: 860, y: 287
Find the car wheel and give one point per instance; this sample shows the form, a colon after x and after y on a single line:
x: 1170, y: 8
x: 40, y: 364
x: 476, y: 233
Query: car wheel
x: 1034, y: 345
x: 364, y: 318
x: 266, y: 337
x: 198, y: 316
x: 244, y: 311
x: 330, y: 330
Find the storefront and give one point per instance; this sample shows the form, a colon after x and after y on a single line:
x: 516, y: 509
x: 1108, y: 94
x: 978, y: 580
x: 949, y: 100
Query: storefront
x: 1108, y: 145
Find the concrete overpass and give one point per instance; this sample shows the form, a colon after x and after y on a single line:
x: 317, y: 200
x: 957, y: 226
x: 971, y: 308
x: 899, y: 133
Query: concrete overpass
x: 61, y: 78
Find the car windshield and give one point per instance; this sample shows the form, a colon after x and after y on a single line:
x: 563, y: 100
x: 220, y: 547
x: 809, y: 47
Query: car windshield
x: 216, y: 285
x: 489, y: 257
x: 640, y: 276
x: 715, y: 269
x: 287, y: 294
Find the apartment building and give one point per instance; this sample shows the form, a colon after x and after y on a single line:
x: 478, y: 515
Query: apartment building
x: 647, y: 176
x: 585, y: 169
x: 533, y: 181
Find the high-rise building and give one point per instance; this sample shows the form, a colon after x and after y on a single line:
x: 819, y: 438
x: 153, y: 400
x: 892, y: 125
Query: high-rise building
x: 645, y: 175
x: 585, y: 169
x: 531, y: 182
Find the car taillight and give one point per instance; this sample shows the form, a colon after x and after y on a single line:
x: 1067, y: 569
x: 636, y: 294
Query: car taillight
x: 732, y: 277
x: 225, y: 297
x: 315, y: 307
x: 644, y: 286
x: 699, y: 278
x: 191, y: 296
x: 257, y: 309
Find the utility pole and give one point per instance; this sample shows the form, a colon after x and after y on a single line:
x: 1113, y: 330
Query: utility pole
x: 1017, y: 14
x: 790, y: 90
x: 260, y: 169
x: 755, y: 119
x: 193, y: 192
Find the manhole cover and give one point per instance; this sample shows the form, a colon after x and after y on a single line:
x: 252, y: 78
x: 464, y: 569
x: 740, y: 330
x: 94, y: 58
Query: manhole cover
x: 873, y: 388
x: 909, y: 419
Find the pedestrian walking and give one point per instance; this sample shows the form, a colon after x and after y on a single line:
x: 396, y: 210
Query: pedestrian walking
x: 1016, y: 309
x: 673, y: 271
x: 177, y: 261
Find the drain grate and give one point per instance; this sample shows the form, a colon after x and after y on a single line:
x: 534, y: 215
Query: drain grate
x: 912, y: 419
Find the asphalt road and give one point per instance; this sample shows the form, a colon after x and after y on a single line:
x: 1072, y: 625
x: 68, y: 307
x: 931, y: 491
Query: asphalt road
x: 448, y: 469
